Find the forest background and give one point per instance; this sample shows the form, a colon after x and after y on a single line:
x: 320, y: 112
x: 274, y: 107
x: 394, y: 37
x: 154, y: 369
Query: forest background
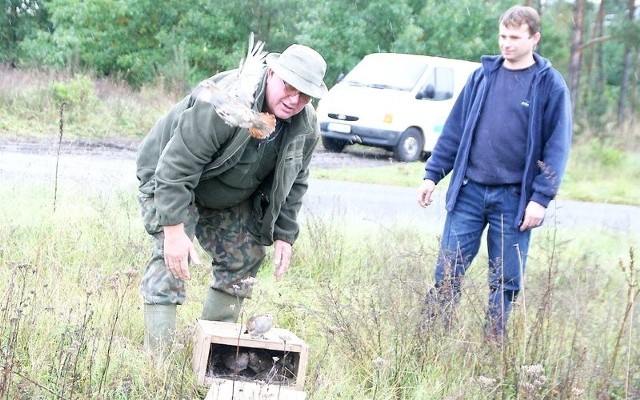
x: 594, y: 44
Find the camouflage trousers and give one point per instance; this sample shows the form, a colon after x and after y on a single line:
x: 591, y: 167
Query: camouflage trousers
x: 222, y: 233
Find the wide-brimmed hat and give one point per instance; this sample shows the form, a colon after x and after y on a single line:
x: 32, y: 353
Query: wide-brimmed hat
x: 301, y: 67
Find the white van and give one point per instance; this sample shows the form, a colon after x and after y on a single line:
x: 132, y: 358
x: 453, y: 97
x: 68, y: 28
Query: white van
x: 398, y: 102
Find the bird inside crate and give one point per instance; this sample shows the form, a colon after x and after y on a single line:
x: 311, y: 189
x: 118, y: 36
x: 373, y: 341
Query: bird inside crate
x: 251, y: 364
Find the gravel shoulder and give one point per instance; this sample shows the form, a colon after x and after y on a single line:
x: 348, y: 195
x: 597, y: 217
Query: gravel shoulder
x: 106, y: 165
x: 127, y: 147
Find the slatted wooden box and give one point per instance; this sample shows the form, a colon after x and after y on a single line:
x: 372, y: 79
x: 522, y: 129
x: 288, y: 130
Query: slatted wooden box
x: 212, y: 339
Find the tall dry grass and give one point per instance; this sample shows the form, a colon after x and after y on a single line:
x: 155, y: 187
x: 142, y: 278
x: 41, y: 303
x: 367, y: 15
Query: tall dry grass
x: 72, y: 318
x: 95, y: 108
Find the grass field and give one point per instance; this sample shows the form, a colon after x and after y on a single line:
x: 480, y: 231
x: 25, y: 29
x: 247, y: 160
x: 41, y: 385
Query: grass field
x: 73, y: 320
x: 72, y: 316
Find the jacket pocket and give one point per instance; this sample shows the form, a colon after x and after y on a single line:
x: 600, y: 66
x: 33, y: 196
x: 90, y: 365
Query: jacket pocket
x: 150, y: 219
x: 260, y: 204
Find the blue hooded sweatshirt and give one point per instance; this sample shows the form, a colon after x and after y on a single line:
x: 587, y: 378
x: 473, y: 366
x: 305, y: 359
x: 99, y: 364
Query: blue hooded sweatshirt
x: 549, y: 134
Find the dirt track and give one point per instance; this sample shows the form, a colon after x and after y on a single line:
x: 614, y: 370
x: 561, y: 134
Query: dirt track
x: 126, y: 148
x: 108, y: 165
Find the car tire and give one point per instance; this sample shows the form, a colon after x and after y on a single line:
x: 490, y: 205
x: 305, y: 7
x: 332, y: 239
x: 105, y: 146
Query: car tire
x: 333, y: 145
x: 410, y: 145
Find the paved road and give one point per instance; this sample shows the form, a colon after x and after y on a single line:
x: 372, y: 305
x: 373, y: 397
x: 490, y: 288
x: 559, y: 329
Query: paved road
x: 376, y: 204
x: 351, y: 203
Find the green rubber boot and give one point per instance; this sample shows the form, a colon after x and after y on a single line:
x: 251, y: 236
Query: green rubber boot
x: 159, y: 326
x: 220, y: 306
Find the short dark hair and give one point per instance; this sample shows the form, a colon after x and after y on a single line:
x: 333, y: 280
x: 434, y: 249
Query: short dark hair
x: 520, y: 15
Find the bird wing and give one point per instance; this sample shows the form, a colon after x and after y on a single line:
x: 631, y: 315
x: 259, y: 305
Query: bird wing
x: 233, y: 105
x: 251, y: 324
x: 250, y: 71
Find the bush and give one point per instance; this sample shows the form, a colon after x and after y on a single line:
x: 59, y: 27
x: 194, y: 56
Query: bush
x: 75, y: 92
x: 604, y: 154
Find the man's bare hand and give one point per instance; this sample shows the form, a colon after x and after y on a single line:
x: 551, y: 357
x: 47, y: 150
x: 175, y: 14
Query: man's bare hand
x: 178, y: 250
x: 533, y: 216
x: 425, y: 191
x: 281, y: 257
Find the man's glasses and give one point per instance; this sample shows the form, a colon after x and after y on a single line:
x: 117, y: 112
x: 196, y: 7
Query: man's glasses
x: 290, y: 91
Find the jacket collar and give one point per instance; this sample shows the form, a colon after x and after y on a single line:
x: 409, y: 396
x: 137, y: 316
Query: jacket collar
x: 491, y: 63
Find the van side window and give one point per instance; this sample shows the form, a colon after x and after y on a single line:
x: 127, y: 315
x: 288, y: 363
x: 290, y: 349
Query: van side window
x: 439, y: 85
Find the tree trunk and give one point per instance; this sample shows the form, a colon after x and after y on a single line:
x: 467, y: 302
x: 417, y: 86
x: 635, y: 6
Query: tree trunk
x: 537, y: 4
x: 598, y: 82
x: 576, y: 50
x: 601, y: 76
x: 634, y: 89
x: 626, y: 68
x: 587, y: 68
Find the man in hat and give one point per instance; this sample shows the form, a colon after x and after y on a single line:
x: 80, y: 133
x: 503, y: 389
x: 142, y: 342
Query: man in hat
x: 200, y: 176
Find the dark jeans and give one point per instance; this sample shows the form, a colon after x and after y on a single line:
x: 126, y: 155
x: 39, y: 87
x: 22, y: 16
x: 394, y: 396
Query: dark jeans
x: 476, y: 207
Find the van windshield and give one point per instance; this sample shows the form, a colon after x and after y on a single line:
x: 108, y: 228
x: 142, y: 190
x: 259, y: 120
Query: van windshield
x: 400, y: 73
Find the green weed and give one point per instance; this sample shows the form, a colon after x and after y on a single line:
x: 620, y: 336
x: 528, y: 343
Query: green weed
x: 73, y: 318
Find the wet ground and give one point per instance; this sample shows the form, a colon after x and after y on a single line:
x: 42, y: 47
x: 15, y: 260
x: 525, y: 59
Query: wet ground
x: 110, y: 164
x: 353, y: 156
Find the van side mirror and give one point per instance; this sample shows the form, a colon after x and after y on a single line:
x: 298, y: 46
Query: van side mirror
x: 428, y: 92
x: 340, y: 77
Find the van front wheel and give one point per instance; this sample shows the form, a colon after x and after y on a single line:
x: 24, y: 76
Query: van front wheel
x: 333, y: 145
x: 409, y: 147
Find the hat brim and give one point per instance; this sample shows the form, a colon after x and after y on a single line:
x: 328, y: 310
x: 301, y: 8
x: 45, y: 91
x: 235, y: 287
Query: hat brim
x: 294, y: 80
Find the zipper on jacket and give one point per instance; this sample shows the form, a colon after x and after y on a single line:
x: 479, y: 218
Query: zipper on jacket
x: 222, y: 161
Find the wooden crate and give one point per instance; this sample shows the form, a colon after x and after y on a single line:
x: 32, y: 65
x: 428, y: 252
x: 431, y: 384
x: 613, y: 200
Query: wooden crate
x: 224, y: 389
x: 215, y: 338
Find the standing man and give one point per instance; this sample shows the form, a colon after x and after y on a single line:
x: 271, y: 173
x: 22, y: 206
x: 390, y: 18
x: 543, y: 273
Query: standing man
x: 507, y: 142
x: 200, y: 176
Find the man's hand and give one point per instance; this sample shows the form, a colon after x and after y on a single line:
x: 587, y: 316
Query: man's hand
x: 281, y: 257
x: 533, y: 216
x: 425, y: 191
x: 178, y: 249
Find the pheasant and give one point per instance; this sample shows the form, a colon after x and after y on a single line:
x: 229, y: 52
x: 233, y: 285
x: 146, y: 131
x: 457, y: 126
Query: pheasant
x: 233, y: 105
